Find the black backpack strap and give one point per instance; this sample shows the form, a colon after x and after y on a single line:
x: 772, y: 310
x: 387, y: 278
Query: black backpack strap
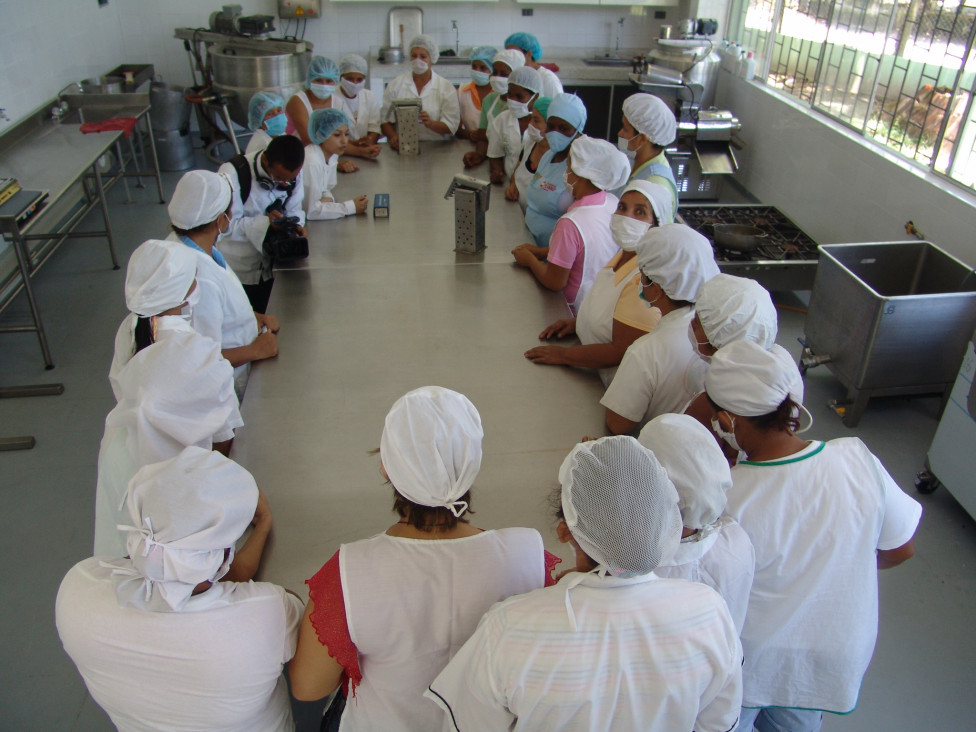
x: 243, y: 176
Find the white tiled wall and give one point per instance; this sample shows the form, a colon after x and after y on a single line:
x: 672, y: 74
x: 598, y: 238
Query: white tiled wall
x: 77, y: 38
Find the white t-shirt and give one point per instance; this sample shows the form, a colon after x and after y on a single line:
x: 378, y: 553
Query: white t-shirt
x: 659, y: 374
x: 364, y: 111
x: 551, y: 86
x: 320, y: 177
x: 258, y: 142
x: 723, y: 559
x: 505, y: 140
x: 438, y: 99
x: 816, y: 520
x: 649, y: 654
x: 410, y: 605
x: 216, y: 665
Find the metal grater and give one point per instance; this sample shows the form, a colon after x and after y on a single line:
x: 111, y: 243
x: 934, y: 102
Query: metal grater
x: 408, y: 125
x: 471, y: 197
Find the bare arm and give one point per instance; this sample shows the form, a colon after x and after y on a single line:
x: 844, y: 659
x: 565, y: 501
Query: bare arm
x: 389, y: 129
x: 888, y: 558
x: 618, y: 425
x: 313, y: 672
x: 496, y: 170
x: 592, y: 356
x: 299, y: 116
x: 550, y: 276
x: 264, y: 346
x: 248, y: 559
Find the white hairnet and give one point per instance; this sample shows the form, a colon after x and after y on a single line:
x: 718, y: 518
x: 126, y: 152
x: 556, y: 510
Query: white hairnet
x: 511, y: 57
x: 431, y: 447
x: 620, y: 505
x: 353, y: 62
x: 428, y: 43
x: 677, y: 258
x: 736, y: 308
x: 599, y: 162
x: 652, y: 117
x: 747, y: 379
x: 695, y: 464
x: 158, y: 276
x: 185, y: 513
x: 657, y: 194
x: 527, y: 78
x: 200, y: 197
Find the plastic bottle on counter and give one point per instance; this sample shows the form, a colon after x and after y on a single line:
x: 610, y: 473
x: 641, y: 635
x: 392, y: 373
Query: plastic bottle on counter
x: 740, y: 62
x: 748, y: 70
x: 730, y: 56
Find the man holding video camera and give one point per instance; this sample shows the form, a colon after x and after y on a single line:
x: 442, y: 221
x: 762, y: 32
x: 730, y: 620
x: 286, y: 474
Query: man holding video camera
x: 267, y: 220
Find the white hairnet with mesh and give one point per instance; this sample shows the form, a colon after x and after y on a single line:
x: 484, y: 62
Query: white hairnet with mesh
x: 652, y: 117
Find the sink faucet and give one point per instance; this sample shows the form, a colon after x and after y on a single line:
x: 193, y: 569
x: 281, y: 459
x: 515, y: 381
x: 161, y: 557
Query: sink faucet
x: 457, y: 38
x: 620, y: 27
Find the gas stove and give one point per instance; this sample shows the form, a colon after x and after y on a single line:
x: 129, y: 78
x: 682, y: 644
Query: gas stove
x: 787, y: 260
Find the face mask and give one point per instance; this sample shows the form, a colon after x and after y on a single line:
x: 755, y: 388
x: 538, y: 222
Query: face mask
x: 225, y: 232
x: 480, y: 78
x: 322, y: 91
x: 533, y: 134
x: 729, y: 437
x: 627, y: 231
x: 352, y: 88
x: 499, y: 84
x: 696, y: 345
x: 623, y: 145
x: 276, y: 125
x: 557, y: 141
x: 419, y: 66
x: 640, y: 294
x: 569, y: 186
x: 191, y: 300
x: 519, y: 109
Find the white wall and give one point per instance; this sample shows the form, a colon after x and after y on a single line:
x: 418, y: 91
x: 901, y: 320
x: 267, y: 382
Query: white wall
x: 835, y: 186
x: 78, y: 39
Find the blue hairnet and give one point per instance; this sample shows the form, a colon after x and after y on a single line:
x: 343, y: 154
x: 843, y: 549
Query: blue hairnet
x: 321, y: 68
x: 324, y: 122
x: 485, y: 54
x: 426, y: 42
x: 570, y: 108
x: 527, y: 42
x: 258, y: 107
x: 542, y: 105
x: 353, y: 62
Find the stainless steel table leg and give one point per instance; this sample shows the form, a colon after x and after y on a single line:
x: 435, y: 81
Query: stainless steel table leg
x: 230, y: 128
x: 108, y: 224
x: 135, y: 161
x: 23, y: 261
x: 125, y: 179
x: 152, y: 149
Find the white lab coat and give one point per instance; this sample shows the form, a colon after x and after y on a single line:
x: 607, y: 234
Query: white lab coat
x: 505, y: 140
x: 364, y: 111
x: 438, y: 99
x: 243, y: 248
x: 177, y: 392
x: 551, y: 86
x: 320, y: 177
x: 259, y: 140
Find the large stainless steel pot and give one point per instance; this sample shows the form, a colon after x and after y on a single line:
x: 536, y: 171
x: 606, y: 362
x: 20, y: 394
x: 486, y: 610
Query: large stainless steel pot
x: 695, y: 60
x: 245, y: 71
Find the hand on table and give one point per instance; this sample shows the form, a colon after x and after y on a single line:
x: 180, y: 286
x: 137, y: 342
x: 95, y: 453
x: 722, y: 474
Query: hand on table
x: 552, y: 355
x: 267, y: 344
x: 361, y: 203
x: 394, y: 140
x: 347, y: 166
x: 473, y: 159
x: 267, y: 321
x: 560, y: 329
x: 512, y: 192
x: 523, y: 255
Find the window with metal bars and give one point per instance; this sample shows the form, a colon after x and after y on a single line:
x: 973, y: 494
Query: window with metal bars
x: 900, y: 72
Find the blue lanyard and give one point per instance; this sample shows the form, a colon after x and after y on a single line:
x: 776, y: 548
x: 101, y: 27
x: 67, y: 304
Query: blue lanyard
x: 217, y: 256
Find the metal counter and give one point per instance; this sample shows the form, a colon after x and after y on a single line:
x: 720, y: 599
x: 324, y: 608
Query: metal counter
x: 383, y: 306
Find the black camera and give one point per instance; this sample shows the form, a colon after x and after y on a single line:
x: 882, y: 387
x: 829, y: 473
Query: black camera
x: 283, y: 239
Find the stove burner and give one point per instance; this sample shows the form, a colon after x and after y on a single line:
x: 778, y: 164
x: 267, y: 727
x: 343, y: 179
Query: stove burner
x: 785, y: 241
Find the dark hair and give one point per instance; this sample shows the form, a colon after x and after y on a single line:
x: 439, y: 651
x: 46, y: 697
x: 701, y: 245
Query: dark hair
x: 784, y: 417
x: 555, y: 501
x: 429, y: 518
x: 682, y: 303
x: 190, y: 232
x: 143, y: 333
x: 286, y: 151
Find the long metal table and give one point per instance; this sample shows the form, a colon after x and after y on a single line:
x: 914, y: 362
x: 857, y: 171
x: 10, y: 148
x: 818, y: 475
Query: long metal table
x: 383, y: 306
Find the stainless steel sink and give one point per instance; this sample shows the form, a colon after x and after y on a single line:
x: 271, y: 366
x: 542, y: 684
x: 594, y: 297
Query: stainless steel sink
x: 608, y: 61
x: 453, y: 61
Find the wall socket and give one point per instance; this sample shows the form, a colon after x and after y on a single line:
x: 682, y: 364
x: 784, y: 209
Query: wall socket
x: 660, y: 14
x: 527, y: 12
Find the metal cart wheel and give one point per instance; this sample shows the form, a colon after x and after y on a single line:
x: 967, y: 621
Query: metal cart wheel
x: 926, y: 482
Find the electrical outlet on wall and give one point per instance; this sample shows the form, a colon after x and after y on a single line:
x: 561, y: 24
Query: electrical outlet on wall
x: 527, y: 12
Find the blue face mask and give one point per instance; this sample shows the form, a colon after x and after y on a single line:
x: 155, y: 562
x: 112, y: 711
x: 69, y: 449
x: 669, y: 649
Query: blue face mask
x: 480, y: 78
x: 557, y: 141
x: 320, y: 90
x: 276, y: 125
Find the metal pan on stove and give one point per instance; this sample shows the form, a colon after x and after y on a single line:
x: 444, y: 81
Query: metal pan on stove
x: 738, y: 237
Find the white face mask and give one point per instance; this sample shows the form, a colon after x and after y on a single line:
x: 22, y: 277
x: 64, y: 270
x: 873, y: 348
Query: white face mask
x: 623, y: 145
x: 352, y: 88
x: 729, y: 437
x: 519, y: 109
x: 225, y: 232
x: 533, y: 134
x: 419, y: 66
x: 627, y: 231
x: 696, y: 345
x: 191, y: 300
x: 499, y: 84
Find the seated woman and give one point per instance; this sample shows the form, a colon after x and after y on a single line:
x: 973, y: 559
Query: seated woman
x: 581, y: 241
x: 321, y: 80
x: 547, y: 196
x: 173, y: 387
x: 472, y: 95
x: 329, y: 129
x: 502, y: 65
x: 714, y: 549
x: 265, y: 119
x: 648, y: 128
x: 387, y: 613
x: 528, y: 44
x: 361, y: 105
x: 612, y: 315
x: 612, y: 646
x: 823, y: 517
x: 505, y: 132
x: 200, y: 206
x: 440, y: 114
x: 533, y: 147
x: 165, y: 634
x: 660, y: 372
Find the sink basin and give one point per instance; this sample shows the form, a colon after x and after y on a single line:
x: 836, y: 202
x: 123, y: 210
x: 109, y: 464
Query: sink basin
x: 608, y: 61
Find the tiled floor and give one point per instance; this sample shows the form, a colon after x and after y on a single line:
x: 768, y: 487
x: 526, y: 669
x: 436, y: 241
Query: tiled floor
x: 921, y: 677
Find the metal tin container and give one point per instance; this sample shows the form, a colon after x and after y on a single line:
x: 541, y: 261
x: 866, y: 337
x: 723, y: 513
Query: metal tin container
x: 245, y: 71
x: 893, y: 318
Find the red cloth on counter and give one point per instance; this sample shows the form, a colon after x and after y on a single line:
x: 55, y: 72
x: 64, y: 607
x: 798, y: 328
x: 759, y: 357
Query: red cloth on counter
x: 554, y: 68
x: 126, y: 124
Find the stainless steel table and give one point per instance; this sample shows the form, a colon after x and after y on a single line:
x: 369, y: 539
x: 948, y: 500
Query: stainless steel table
x: 383, y: 306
